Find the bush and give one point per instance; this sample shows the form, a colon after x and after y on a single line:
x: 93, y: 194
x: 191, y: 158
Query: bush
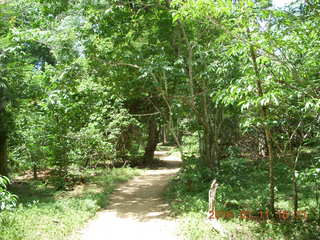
x: 7, y: 200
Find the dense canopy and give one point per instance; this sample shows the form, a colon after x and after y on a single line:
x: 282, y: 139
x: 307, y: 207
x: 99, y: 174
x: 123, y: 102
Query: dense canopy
x: 93, y: 83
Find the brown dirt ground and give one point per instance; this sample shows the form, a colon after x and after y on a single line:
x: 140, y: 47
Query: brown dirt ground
x: 137, y: 210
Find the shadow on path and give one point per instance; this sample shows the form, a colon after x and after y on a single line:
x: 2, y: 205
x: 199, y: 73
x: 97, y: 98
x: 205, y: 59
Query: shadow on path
x: 137, y: 209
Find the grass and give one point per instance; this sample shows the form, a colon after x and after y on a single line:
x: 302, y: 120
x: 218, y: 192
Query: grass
x: 242, y: 187
x: 44, y: 213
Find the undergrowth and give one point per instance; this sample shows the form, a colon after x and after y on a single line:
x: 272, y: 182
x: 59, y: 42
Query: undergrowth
x: 241, y: 202
x: 45, y: 213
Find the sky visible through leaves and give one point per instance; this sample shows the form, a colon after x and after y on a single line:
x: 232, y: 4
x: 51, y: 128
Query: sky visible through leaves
x: 281, y: 3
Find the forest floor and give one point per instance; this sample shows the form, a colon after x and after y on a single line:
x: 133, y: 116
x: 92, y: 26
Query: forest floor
x: 137, y: 210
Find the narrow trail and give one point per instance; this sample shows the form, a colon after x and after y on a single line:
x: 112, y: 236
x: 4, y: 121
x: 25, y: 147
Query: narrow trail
x: 137, y: 210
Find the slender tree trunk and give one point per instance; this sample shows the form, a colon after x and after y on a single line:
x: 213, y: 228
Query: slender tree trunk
x: 164, y: 134
x: 262, y: 144
x: 35, y: 171
x: 208, y: 152
x: 209, y: 118
x: 294, y: 183
x: 267, y: 130
x: 153, y: 139
x: 3, y: 154
x: 295, y: 194
x: 271, y: 174
x: 171, y: 128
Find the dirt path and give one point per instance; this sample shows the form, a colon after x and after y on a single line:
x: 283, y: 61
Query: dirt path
x: 137, y: 210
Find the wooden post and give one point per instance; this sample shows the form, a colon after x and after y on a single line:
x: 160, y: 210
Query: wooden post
x: 212, y: 210
x: 212, y: 199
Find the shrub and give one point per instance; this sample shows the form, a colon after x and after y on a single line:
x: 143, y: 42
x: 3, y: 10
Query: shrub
x: 7, y: 200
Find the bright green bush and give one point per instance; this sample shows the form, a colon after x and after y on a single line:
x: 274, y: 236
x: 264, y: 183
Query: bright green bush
x: 7, y: 199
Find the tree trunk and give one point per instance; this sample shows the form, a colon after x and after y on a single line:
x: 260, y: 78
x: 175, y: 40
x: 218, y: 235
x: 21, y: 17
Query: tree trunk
x: 211, y: 141
x: 262, y: 145
x: 3, y: 154
x: 153, y: 139
x: 123, y: 145
x: 164, y: 134
x: 271, y: 174
x: 35, y: 171
x: 267, y: 130
x: 294, y: 183
x: 209, y: 148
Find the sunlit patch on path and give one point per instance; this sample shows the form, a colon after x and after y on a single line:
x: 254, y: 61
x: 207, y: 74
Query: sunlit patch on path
x: 137, y: 210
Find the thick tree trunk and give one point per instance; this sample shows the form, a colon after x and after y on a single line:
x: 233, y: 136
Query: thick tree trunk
x: 153, y: 140
x: 212, y: 139
x: 209, y: 148
x: 3, y: 154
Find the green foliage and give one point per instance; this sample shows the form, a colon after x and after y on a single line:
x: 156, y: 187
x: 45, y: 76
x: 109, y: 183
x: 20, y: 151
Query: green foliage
x: 242, y: 187
x: 191, y: 144
x: 10, y: 228
x: 80, y: 79
x: 53, y: 214
x: 7, y: 199
x: 309, y: 178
